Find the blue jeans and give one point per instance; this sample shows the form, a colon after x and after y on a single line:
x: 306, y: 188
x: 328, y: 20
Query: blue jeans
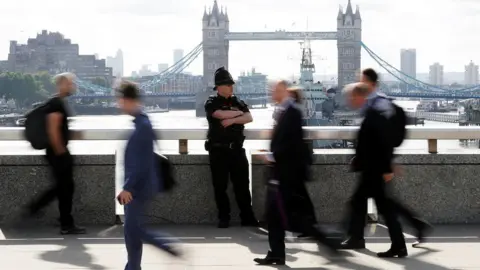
x: 136, y: 234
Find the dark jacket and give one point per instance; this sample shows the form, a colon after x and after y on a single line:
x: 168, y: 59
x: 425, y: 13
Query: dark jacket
x: 291, y: 167
x: 374, y: 151
x: 141, y: 177
x: 216, y: 132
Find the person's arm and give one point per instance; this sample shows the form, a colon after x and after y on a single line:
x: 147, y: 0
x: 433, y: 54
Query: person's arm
x: 246, y: 117
x: 385, y: 146
x: 54, y: 127
x: 212, y: 111
x: 222, y: 114
x: 142, y: 145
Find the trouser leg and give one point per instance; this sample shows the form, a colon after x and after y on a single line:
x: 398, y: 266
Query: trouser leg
x: 241, y: 184
x: 63, y: 172
x: 357, y: 212
x: 219, y: 168
x: 133, y: 240
x: 276, y: 226
x: 387, y: 209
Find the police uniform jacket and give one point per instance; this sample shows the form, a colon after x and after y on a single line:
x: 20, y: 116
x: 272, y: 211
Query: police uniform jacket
x: 216, y: 132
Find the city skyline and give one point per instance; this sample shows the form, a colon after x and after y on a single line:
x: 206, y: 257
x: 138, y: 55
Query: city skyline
x: 385, y: 31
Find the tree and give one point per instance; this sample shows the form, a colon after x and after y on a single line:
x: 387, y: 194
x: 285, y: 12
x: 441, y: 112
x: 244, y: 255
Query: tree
x: 46, y: 82
x: 23, y: 88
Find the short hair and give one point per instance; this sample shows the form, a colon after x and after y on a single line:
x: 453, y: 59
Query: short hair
x: 59, y: 78
x: 128, y: 90
x: 360, y: 89
x: 371, y: 75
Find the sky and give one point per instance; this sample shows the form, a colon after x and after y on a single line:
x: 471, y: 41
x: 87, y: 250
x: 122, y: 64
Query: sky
x: 444, y: 31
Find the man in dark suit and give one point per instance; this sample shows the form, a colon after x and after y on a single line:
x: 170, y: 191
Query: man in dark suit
x: 141, y: 180
x: 288, y: 201
x: 373, y: 160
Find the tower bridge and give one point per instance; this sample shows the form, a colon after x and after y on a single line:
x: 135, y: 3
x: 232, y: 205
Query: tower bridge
x: 215, y: 46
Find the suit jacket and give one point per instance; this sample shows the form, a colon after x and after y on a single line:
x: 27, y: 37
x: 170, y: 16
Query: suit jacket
x: 141, y: 177
x: 291, y: 167
x: 374, y: 151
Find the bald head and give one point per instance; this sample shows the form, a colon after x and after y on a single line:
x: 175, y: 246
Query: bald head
x: 279, y: 91
x: 357, y: 94
x: 65, y: 83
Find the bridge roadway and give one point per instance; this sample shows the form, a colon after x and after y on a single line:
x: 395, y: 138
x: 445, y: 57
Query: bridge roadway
x: 442, y: 187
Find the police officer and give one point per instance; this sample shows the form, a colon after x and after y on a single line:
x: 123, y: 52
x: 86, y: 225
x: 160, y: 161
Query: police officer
x: 227, y: 115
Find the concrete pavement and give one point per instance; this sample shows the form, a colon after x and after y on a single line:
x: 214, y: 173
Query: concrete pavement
x: 450, y: 247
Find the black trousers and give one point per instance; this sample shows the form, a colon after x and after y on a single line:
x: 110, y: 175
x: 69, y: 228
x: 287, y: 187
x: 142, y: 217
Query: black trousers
x: 62, y: 172
x: 373, y: 186
x: 225, y: 164
x: 281, y: 218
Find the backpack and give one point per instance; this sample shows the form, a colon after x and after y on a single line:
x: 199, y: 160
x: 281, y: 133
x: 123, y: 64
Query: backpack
x: 399, y: 125
x: 35, y: 131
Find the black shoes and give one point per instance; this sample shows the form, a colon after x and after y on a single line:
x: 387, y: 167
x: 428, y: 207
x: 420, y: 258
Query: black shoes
x: 394, y: 252
x: 352, y: 243
x: 72, y: 230
x: 270, y: 260
x: 423, y: 228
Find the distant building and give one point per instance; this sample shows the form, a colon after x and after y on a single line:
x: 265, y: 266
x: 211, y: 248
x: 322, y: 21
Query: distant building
x: 162, y: 67
x: 471, y: 74
x: 408, y: 62
x: 116, y: 63
x: 251, y: 82
x: 177, y: 55
x: 3, y: 66
x: 145, y: 71
x: 53, y: 53
x: 436, y: 74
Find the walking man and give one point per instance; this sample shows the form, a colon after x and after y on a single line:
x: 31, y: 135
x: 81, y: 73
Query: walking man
x: 58, y: 156
x: 373, y: 160
x: 142, y: 182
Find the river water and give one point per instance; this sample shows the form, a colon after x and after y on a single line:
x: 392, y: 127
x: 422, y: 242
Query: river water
x: 187, y: 119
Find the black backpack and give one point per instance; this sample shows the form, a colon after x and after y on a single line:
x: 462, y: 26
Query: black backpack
x: 35, y: 131
x: 399, y: 124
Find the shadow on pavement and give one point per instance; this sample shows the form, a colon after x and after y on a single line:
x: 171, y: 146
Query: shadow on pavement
x: 73, y: 249
x: 74, y: 253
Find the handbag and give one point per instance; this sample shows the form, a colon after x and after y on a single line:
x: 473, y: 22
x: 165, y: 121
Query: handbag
x: 165, y: 171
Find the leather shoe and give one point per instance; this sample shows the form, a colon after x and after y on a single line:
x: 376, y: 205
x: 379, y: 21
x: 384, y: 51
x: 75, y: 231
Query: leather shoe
x: 353, y: 244
x: 391, y: 253
x: 270, y: 260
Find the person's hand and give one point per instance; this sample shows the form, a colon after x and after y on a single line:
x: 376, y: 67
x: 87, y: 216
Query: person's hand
x: 228, y: 122
x: 124, y: 197
x: 388, y: 177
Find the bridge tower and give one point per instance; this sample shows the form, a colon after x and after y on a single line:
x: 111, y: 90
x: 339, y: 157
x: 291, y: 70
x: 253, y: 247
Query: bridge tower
x: 349, y: 29
x: 215, y: 25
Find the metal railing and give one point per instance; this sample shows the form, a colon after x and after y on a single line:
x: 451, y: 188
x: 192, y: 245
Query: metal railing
x: 431, y: 134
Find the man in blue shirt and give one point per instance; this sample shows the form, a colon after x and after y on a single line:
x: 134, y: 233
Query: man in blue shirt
x: 142, y: 182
